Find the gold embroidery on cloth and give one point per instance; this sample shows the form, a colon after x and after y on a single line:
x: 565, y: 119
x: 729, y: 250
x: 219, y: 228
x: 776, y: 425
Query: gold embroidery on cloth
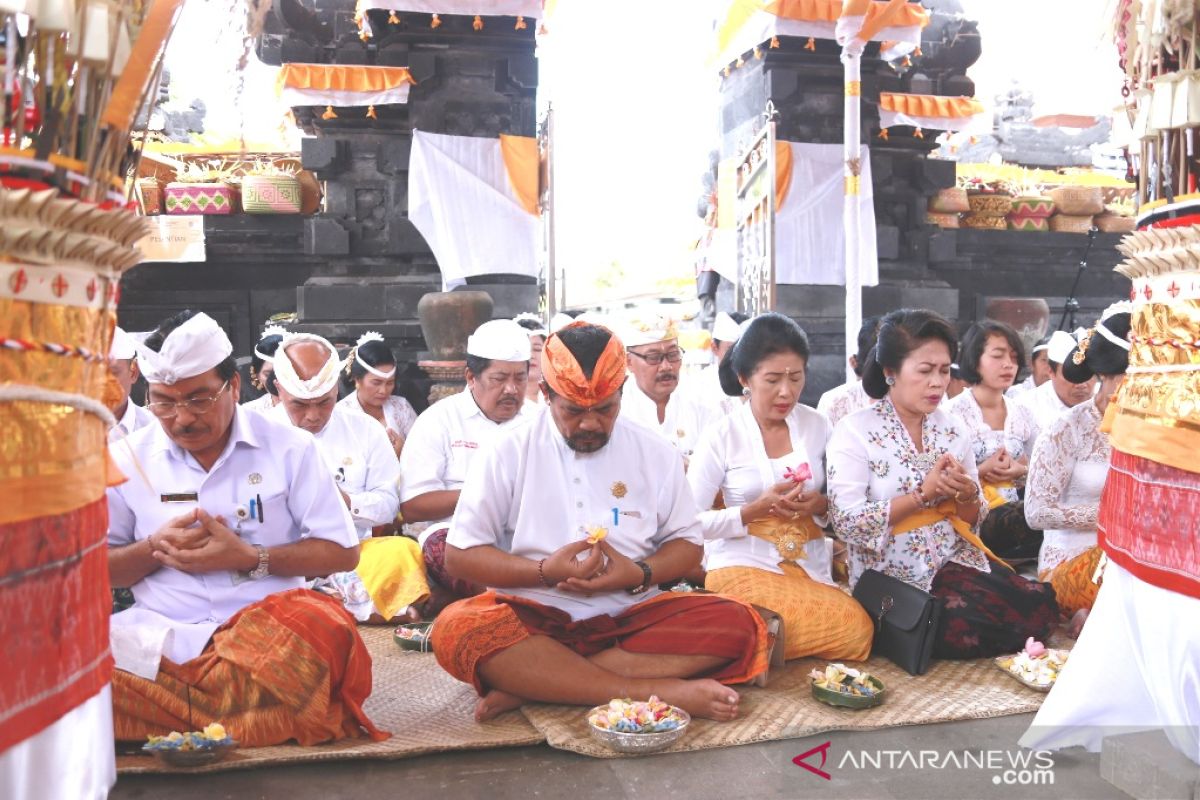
x: 788, y: 535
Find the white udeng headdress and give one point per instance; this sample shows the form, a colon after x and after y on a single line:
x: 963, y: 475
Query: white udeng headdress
x: 725, y: 329
x: 500, y: 340
x: 372, y: 336
x: 192, y: 349
x: 318, y: 385
x: 1060, y: 346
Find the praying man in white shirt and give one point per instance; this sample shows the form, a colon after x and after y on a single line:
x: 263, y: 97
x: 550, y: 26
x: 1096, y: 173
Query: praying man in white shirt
x: 451, y: 433
x: 1056, y: 396
x: 389, y: 581
x: 123, y: 374
x: 652, y: 399
x: 222, y: 516
x: 573, y: 520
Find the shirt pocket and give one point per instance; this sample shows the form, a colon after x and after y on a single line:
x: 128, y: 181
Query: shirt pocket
x: 276, y: 525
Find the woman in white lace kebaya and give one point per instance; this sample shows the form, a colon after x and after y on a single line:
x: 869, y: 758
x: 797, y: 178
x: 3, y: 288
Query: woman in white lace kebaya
x: 371, y: 369
x: 1070, y: 465
x: 766, y: 458
x: 904, y: 496
x: 1002, y: 435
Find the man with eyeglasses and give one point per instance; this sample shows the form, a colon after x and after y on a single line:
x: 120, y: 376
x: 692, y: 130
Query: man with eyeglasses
x: 654, y: 360
x: 390, y: 577
x: 222, y: 516
x: 451, y: 433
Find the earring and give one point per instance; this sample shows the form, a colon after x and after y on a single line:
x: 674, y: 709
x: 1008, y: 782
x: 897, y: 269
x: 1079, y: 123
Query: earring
x: 890, y: 380
x: 745, y: 391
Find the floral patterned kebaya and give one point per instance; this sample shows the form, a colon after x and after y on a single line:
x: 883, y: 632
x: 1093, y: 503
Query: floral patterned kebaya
x: 872, y: 460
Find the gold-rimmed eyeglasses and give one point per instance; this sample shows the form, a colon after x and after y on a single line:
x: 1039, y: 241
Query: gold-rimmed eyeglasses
x: 165, y: 409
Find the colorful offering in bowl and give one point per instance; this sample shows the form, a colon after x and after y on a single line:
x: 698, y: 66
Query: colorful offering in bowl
x: 839, y: 685
x: 1037, y: 666
x: 629, y: 726
x: 191, y: 749
x: 414, y: 636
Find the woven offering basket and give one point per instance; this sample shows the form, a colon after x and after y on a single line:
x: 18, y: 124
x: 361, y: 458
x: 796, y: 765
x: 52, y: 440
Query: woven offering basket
x: 942, y: 220
x: 989, y: 204
x: 200, y: 198
x: 950, y: 201
x: 271, y: 194
x: 1078, y: 200
x: 1071, y: 223
x: 985, y: 223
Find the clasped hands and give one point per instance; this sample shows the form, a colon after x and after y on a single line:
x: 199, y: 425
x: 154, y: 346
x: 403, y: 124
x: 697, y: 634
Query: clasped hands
x: 787, y: 500
x: 197, y: 542
x: 1000, y: 467
x: 604, y: 569
x: 948, y: 479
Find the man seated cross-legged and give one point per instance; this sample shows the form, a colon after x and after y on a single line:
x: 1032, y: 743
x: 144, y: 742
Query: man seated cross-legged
x: 223, y: 515
x: 571, y: 621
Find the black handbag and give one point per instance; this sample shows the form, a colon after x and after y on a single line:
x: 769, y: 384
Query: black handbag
x: 905, y: 617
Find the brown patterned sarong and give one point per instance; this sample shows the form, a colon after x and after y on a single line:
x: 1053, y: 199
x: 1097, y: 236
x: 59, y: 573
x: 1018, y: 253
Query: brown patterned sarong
x: 471, y: 631
x: 291, y: 666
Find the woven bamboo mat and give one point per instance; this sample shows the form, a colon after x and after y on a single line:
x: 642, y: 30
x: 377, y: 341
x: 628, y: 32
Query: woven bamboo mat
x: 424, y: 709
x: 951, y: 690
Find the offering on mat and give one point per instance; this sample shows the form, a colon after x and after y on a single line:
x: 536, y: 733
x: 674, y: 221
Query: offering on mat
x: 596, y: 533
x: 846, y: 680
x: 414, y: 634
x: 1036, y: 666
x: 213, y: 735
x: 629, y: 716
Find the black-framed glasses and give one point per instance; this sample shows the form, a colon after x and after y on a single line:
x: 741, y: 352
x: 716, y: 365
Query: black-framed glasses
x: 655, y: 359
x: 195, y: 406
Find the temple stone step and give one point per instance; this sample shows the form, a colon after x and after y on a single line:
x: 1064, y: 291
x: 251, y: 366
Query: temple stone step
x: 1145, y: 765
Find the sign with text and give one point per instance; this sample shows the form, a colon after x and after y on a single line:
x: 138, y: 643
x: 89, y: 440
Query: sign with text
x: 174, y: 238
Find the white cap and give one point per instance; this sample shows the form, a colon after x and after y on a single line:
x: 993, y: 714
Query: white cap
x: 192, y: 349
x: 123, y: 345
x: 725, y: 329
x: 1060, y: 346
x: 500, y: 340
x: 318, y: 385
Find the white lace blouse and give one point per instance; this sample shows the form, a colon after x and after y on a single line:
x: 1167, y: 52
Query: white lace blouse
x: 731, y: 458
x: 872, y: 460
x: 841, y: 401
x: 1019, y: 434
x: 1066, y: 476
x: 397, y: 412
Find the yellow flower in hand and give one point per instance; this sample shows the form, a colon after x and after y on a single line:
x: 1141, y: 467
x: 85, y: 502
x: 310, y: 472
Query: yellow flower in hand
x: 596, y: 533
x: 215, y: 731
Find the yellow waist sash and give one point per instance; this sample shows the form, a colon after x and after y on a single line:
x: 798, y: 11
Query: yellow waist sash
x: 788, y: 535
x: 991, y: 493
x: 945, y: 510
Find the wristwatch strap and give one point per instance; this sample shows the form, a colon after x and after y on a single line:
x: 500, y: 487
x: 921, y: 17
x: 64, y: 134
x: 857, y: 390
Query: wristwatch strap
x: 647, y: 578
x: 263, y: 568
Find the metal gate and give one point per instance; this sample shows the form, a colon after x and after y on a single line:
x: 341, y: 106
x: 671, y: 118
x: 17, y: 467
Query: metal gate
x: 755, y: 210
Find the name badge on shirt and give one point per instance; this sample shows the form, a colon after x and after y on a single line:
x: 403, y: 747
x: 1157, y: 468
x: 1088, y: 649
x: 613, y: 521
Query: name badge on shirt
x: 180, y: 497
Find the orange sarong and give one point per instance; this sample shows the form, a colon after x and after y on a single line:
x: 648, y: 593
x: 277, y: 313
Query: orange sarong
x: 471, y: 631
x: 1072, y: 581
x: 291, y: 666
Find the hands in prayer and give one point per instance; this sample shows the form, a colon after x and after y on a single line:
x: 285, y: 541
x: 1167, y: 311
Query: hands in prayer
x: 1000, y: 467
x: 197, y: 542
x: 787, y: 500
x: 947, y: 479
x: 603, y: 570
x: 396, y: 439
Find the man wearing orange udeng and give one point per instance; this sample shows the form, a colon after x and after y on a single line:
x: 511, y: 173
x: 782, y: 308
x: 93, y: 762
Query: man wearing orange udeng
x: 573, y: 520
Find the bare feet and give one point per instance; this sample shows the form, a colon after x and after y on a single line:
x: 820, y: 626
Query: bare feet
x: 495, y: 703
x: 1075, y: 627
x: 703, y: 698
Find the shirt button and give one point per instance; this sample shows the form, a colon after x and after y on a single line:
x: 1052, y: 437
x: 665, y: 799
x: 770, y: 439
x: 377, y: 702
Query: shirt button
x: 577, y: 480
x: 579, y: 505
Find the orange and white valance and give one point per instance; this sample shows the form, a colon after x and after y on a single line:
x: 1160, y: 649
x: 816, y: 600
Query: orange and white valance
x: 521, y: 9
x: 475, y: 201
x: 343, y: 85
x: 747, y: 24
x: 928, y: 111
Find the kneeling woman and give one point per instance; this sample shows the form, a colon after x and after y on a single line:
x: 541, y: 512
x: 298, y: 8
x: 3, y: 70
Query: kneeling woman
x: 905, y: 496
x: 1069, y: 467
x: 767, y: 459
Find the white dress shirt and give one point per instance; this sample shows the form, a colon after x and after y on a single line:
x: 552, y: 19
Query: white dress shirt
x: 1016, y: 390
x: 398, y: 413
x: 263, y: 461
x: 135, y: 417
x: 441, y: 445
x: 684, y: 419
x: 1044, y: 403
x: 842, y: 401
x: 361, y: 460
x: 531, y: 494
x: 731, y: 458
